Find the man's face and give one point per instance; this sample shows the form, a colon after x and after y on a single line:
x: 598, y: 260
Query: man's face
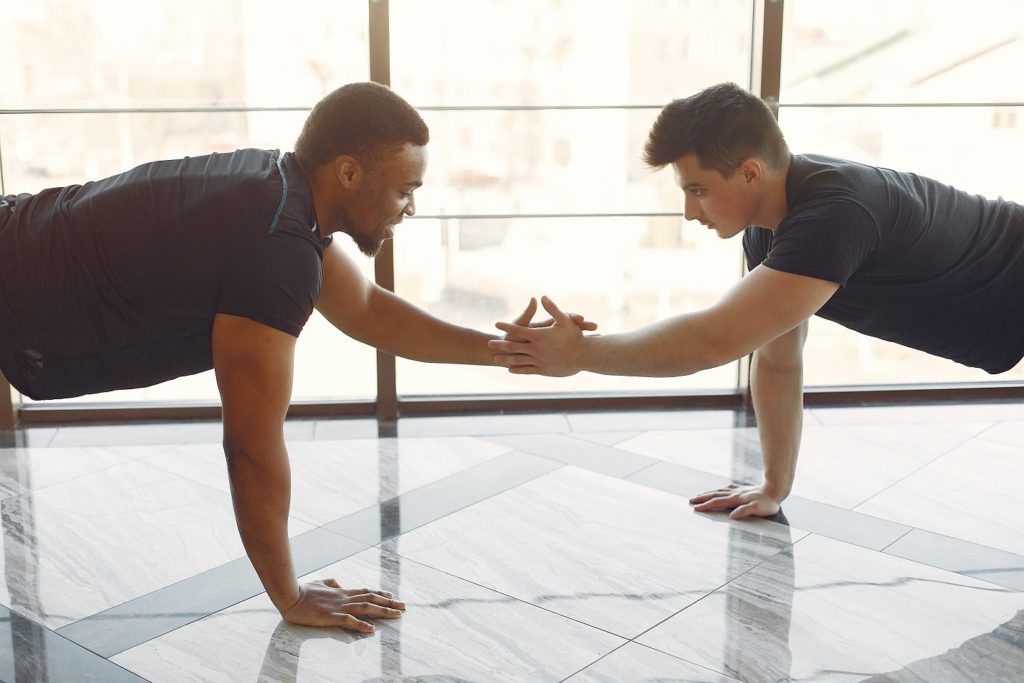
x: 725, y: 205
x: 384, y: 197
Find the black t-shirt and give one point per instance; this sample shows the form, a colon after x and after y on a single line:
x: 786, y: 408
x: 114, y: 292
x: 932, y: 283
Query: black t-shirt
x: 920, y: 263
x: 114, y: 284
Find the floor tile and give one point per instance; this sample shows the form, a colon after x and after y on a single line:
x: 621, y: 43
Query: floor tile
x: 1010, y: 433
x: 452, y: 631
x: 921, y: 414
x: 30, y: 469
x: 964, y: 495
x: 31, y: 653
x: 642, y: 420
x: 970, y: 559
x: 349, y: 428
x: 437, y: 499
x: 82, y: 546
x: 332, y: 479
x: 831, y: 611
x: 27, y: 437
x: 149, y: 616
x: 571, y: 451
x: 607, y: 552
x: 808, y: 515
x: 841, y: 466
x: 641, y: 664
x: 604, y: 438
x: 476, y: 425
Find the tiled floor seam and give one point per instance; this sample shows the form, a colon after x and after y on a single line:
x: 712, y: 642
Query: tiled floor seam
x: 934, y: 460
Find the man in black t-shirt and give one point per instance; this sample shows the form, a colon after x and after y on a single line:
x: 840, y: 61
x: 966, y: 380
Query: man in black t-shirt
x: 893, y: 255
x: 217, y: 261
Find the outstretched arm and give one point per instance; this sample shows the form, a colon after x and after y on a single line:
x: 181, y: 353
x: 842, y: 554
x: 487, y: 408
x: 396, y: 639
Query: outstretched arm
x: 373, y: 315
x: 761, y: 307
x: 776, y: 385
x: 253, y: 364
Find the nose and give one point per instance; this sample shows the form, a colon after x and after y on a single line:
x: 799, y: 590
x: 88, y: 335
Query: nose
x: 691, y: 210
x: 410, y: 207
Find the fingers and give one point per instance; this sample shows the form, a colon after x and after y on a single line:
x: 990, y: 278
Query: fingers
x: 376, y: 599
x: 515, y: 331
x: 351, y: 623
x: 719, y: 503
x: 554, y: 310
x: 708, y: 495
x: 526, y: 316
x: 745, y: 510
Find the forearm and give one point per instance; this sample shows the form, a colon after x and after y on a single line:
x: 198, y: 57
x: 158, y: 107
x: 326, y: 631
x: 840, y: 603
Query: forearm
x: 261, y: 492
x: 400, y: 328
x: 681, y: 345
x: 778, y: 403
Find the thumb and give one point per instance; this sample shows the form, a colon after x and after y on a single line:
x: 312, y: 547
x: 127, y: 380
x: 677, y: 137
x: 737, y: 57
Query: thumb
x: 744, y: 510
x: 333, y: 583
x: 554, y: 310
x: 527, y: 315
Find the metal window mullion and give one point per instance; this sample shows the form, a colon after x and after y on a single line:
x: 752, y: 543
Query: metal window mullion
x: 384, y: 264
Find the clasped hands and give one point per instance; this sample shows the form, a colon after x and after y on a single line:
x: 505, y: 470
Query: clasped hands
x: 551, y: 347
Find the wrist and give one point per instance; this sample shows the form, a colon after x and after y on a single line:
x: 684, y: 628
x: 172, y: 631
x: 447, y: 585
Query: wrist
x: 285, y: 602
x: 775, y: 490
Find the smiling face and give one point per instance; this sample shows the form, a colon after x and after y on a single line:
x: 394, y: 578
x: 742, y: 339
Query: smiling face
x: 725, y: 205
x: 382, y: 196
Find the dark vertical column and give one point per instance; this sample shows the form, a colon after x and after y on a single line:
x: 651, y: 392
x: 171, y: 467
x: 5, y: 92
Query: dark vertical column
x: 384, y: 264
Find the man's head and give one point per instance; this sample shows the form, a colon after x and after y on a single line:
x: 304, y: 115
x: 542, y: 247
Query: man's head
x: 363, y: 147
x: 722, y: 142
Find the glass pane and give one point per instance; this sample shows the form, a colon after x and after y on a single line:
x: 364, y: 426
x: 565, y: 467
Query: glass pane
x: 124, y: 53
x: 910, y: 51
x: 980, y: 157
x: 620, y: 272
x: 49, y: 150
x: 537, y: 52
x: 546, y: 161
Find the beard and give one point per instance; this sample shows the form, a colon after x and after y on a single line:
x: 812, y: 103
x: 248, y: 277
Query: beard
x: 368, y: 245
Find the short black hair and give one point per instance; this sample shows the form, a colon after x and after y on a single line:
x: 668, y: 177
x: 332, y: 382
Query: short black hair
x: 359, y: 119
x: 721, y: 125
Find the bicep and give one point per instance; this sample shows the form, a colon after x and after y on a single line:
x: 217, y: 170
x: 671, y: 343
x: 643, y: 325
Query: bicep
x: 765, y: 305
x: 345, y: 293
x: 253, y: 364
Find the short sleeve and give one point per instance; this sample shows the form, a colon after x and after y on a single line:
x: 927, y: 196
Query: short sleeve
x: 828, y: 240
x: 274, y: 280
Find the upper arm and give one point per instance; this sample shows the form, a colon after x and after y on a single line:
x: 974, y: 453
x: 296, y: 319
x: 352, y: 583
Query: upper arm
x: 345, y: 293
x: 765, y: 305
x: 253, y: 363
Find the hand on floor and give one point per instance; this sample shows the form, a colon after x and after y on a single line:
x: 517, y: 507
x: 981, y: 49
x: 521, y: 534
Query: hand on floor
x: 325, y: 603
x: 744, y: 501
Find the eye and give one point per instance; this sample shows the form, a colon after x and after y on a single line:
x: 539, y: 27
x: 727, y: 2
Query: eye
x: 697, y: 191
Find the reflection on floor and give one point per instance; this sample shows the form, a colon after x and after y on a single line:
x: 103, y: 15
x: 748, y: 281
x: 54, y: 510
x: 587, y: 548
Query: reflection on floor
x: 528, y: 548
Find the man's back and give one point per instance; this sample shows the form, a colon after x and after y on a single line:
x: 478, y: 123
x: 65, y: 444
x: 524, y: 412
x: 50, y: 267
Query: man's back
x: 920, y: 263
x: 114, y: 283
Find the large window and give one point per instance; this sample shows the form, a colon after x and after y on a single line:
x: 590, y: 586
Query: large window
x: 538, y: 111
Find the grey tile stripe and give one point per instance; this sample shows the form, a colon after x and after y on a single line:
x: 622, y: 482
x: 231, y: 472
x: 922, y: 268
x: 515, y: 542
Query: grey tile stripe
x: 963, y: 557
x: 30, y: 652
x: 572, y: 451
x: 149, y: 616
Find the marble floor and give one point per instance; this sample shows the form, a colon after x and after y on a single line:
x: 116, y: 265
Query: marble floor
x: 552, y: 547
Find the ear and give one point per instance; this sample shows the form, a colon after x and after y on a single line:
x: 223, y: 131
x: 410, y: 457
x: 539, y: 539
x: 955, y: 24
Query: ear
x: 348, y: 171
x: 753, y: 170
